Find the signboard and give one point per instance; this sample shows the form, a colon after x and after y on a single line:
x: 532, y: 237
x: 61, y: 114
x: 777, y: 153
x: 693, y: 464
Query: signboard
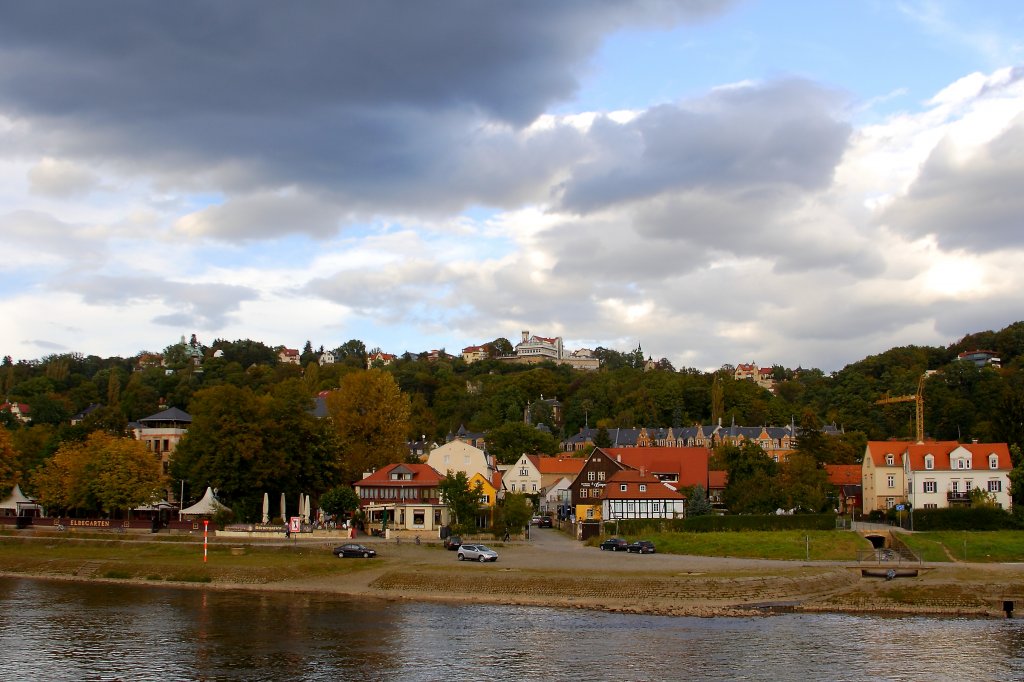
x: 899, y: 507
x: 295, y: 524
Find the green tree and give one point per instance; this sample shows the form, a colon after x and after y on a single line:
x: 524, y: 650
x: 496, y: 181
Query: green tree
x: 697, y: 503
x: 514, y: 513
x: 602, y: 438
x: 804, y: 483
x: 462, y: 500
x: 339, y: 500
x: 1017, y: 476
x: 752, y: 475
x: 371, y: 418
x: 512, y: 440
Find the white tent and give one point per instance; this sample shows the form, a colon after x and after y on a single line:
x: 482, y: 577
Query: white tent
x: 204, y: 507
x: 16, y: 503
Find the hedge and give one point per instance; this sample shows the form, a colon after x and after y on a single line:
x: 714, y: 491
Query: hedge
x: 964, y: 518
x: 714, y: 524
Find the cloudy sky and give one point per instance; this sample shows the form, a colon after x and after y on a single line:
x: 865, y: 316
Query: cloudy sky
x: 783, y: 182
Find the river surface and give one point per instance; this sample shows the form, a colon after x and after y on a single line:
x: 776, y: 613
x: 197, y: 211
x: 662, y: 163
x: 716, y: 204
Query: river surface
x: 88, y: 631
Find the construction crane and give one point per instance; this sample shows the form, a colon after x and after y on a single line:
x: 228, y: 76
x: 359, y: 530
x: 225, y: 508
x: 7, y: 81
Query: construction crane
x: 918, y: 398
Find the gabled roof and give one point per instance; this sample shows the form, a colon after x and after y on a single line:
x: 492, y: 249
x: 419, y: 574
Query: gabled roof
x: 15, y: 499
x: 422, y: 475
x: 689, y: 464
x: 654, y: 489
x: 843, y: 474
x: 878, y: 449
x: 718, y: 478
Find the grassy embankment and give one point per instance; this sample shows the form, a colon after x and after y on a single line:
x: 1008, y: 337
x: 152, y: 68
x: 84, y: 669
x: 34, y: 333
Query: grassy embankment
x: 167, y: 560
x: 818, y: 545
x: 999, y: 546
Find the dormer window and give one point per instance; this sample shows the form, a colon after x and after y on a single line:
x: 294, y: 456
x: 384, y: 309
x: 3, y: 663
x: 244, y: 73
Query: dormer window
x: 643, y: 487
x: 890, y: 460
x: 622, y: 487
x: 929, y: 462
x: 993, y: 462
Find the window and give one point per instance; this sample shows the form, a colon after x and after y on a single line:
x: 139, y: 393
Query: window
x: 591, y: 475
x: 418, y: 517
x: 931, y: 505
x: 929, y: 462
x: 993, y: 462
x: 523, y: 471
x: 643, y: 487
x: 889, y: 460
x: 534, y: 487
x: 600, y: 475
x: 954, y: 486
x: 967, y: 487
x: 513, y: 487
x: 622, y: 487
x: 995, y: 486
x: 890, y: 502
x: 891, y: 480
x: 590, y: 513
x: 929, y: 486
x: 583, y: 492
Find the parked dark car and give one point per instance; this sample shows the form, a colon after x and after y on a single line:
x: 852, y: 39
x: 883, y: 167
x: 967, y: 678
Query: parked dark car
x: 545, y: 522
x: 452, y: 542
x: 354, y: 550
x: 641, y: 547
x: 615, y: 544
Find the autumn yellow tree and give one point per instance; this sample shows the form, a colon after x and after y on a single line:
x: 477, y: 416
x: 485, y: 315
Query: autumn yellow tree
x: 102, y: 473
x: 371, y: 416
x: 8, y: 462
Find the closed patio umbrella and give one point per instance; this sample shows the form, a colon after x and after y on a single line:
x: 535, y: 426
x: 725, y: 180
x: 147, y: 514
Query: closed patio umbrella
x: 266, y: 508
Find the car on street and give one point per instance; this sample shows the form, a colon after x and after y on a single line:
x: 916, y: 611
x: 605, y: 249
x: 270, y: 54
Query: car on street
x: 641, y: 547
x: 353, y: 549
x: 479, y: 553
x: 615, y: 544
x: 535, y: 521
x: 545, y: 522
x: 452, y: 542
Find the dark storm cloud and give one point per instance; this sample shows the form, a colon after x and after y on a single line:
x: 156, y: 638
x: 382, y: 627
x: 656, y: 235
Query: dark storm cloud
x: 975, y: 204
x: 204, y: 306
x: 351, y: 97
x: 783, y: 135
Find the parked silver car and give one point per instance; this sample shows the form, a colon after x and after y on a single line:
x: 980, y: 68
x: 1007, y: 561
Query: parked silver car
x: 479, y: 553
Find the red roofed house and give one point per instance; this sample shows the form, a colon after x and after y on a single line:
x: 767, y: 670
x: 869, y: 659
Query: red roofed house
x: 473, y: 354
x: 717, y: 480
x: 288, y: 356
x: 19, y: 411
x: 523, y: 476
x: 882, y: 476
x: 846, y: 479
x: 632, y: 494
x: 556, y: 477
x: 408, y: 494
x: 379, y: 356
x: 944, y: 474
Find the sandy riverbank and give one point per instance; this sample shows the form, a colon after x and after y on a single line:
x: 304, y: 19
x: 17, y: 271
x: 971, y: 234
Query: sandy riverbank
x: 553, y: 570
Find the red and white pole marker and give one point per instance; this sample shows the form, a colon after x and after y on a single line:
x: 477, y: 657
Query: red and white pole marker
x: 206, y: 529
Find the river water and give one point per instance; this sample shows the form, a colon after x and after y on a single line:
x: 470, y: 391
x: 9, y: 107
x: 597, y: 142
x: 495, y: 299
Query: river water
x: 89, y: 631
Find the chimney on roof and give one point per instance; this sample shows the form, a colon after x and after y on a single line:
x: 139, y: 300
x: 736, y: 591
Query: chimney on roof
x: 974, y: 440
x: 618, y: 458
x: 643, y: 471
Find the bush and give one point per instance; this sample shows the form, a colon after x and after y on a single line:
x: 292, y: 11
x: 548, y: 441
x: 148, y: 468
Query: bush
x: 714, y: 524
x: 965, y: 518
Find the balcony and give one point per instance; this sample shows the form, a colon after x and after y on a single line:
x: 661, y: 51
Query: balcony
x: 958, y: 498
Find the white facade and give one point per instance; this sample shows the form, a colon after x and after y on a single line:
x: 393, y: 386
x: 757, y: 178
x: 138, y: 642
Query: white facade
x: 940, y: 477
x: 522, y: 477
x: 459, y: 456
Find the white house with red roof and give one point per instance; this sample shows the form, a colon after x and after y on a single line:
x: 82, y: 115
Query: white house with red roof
x: 20, y: 411
x: 408, y: 494
x: 473, y: 354
x: 633, y: 494
x: 523, y: 477
x: 379, y: 357
x: 288, y: 356
x: 540, y: 347
x: 944, y: 474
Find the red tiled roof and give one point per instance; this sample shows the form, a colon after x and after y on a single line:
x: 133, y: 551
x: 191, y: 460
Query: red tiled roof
x: 422, y: 474
x: 718, y: 478
x: 941, y: 452
x: 878, y: 449
x: 560, y: 465
x: 843, y: 474
x: 690, y: 464
x: 632, y: 479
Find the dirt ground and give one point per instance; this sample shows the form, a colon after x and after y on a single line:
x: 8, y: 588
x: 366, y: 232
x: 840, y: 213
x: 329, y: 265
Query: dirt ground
x: 551, y: 569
